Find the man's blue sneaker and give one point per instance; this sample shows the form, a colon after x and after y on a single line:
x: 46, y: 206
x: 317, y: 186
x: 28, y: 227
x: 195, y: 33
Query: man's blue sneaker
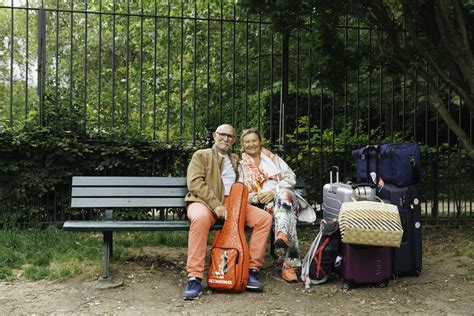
x: 253, y: 283
x: 193, y: 289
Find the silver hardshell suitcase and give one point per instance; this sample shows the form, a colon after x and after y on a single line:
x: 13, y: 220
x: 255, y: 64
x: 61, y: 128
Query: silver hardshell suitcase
x: 336, y: 193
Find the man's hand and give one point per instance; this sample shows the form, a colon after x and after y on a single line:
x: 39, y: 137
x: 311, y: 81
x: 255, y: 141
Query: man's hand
x: 266, y: 197
x: 221, y: 212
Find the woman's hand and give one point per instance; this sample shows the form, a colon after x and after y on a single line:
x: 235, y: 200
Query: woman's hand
x: 266, y: 197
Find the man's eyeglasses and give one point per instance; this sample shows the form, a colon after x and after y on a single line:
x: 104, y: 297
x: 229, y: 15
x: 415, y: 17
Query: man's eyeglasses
x: 224, y: 135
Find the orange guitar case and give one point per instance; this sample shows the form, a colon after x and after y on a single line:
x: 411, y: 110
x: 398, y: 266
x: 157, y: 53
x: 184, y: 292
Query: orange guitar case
x: 229, y: 266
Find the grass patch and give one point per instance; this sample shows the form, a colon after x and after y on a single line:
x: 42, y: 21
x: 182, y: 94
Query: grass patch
x: 5, y: 273
x: 54, y: 255
x: 142, y: 239
x: 36, y: 273
x: 46, y: 254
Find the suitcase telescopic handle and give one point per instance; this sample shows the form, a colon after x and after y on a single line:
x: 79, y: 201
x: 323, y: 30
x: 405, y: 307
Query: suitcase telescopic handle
x: 331, y: 171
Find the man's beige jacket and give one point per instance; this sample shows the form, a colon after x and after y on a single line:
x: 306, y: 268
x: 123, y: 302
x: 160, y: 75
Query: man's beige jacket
x: 204, y: 177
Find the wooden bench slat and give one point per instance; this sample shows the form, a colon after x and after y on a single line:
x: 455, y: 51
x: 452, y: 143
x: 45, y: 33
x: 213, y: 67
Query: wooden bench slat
x: 132, y: 202
x: 128, y: 181
x: 128, y: 192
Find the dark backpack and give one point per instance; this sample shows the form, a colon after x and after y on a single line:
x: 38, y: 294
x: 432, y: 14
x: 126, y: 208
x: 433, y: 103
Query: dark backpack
x: 321, y: 258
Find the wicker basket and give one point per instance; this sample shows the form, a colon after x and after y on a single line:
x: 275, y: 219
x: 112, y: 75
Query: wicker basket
x: 370, y: 223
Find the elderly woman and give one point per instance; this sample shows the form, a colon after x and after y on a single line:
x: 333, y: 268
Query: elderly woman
x: 271, y: 182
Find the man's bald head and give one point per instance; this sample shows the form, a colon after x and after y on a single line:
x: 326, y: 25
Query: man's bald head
x: 226, y: 128
x: 224, y: 138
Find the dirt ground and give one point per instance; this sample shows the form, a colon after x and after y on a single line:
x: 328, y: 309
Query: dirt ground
x: 153, y: 283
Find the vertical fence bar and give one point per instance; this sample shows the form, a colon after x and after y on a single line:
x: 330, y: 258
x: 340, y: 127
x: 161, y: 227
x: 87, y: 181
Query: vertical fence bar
x: 113, y: 64
x: 259, y: 69
x: 404, y: 95
x: 369, y: 93
x: 392, y: 110
x: 297, y: 87
x: 141, y: 65
x: 449, y: 154
x: 308, y: 110
x: 321, y: 141
x: 194, y: 72
x: 221, y: 32
x: 85, y: 64
x: 471, y: 167
x: 180, y: 72
x: 56, y: 66
x: 168, y: 57
x: 346, y: 91
x: 233, y: 64
x: 285, y: 58
x: 26, y: 61
x: 415, y: 101
x: 437, y: 119
x: 346, y: 88
x: 155, y: 39
x: 333, y: 125
x: 246, y: 68
x: 381, y: 125
x: 427, y: 90
x: 127, y: 66
x: 404, y: 90
x: 99, y: 67
x: 12, y: 40
x: 271, y: 89
x: 437, y: 185
x: 358, y: 82
x: 71, y: 39
x: 41, y: 61
x: 458, y: 194
x: 208, y: 62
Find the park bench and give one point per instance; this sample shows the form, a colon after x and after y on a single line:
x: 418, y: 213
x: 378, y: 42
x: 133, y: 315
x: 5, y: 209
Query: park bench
x: 110, y: 193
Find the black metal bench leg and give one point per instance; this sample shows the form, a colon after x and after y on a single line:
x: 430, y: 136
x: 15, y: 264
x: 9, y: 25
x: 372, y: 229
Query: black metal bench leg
x: 107, y: 253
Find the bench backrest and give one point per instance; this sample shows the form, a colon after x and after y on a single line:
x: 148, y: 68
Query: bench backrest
x: 128, y: 192
x: 134, y: 192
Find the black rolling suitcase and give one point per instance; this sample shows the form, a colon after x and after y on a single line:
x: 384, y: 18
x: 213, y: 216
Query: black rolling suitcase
x: 406, y: 259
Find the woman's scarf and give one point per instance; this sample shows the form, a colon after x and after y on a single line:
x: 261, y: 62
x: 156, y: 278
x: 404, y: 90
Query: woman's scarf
x: 255, y: 176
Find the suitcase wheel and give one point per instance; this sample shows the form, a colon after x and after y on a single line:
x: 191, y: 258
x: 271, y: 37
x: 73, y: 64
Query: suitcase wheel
x: 383, y: 284
x: 346, y: 286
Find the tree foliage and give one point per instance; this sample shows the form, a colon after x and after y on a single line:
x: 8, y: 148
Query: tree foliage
x: 428, y: 39
x: 164, y: 68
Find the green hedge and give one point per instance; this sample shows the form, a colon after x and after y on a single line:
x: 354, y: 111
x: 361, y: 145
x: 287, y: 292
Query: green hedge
x: 36, y: 165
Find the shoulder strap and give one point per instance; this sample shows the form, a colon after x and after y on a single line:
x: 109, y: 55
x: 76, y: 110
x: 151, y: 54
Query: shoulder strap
x: 319, y: 256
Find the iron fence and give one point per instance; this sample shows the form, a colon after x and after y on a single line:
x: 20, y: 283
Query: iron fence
x: 166, y: 70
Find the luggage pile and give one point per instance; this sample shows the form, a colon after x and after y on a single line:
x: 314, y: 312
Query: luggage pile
x: 379, y: 220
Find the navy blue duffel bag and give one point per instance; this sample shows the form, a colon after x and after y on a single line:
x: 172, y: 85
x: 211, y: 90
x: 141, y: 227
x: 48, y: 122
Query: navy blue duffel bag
x: 394, y: 163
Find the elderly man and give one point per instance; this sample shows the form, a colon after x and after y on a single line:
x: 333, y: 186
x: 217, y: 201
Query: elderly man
x: 211, y: 173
